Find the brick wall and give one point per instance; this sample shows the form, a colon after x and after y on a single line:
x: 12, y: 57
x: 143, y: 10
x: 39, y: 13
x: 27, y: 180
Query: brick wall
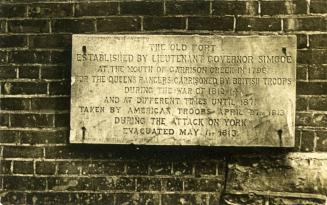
x: 39, y: 166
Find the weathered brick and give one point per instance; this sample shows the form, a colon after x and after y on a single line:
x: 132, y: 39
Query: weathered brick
x: 31, y: 120
x: 258, y: 24
x: 317, y: 72
x: 235, y: 8
x: 205, y: 185
x: 211, y: 23
x: 62, y: 120
x: 168, y: 199
x: 182, y: 168
x: 289, y: 172
x: 14, y: 104
x: 14, y: 198
x: 59, y: 88
x: 125, y: 183
x: 305, y: 24
x: 70, y: 168
x: 50, y: 10
x: 67, y: 152
x: 303, y: 119
x: 9, y: 136
x: 319, y: 120
x: 301, y: 41
x: 50, y: 41
x: 318, y: 41
x: 12, y: 10
x: 12, y: 41
x: 7, y: 72
x: 160, y: 168
x: 107, y: 168
x: 157, y: 23
x: 301, y: 103
x: 29, y: 56
x: 296, y: 200
x: 205, y: 168
x: 318, y: 6
x: 311, y: 88
x: 137, y: 168
x: 172, y: 184
x: 103, y: 183
x: 73, y: 25
x: 70, y: 183
x: 14, y: 88
x: 307, y: 141
x: 28, y: 26
x: 61, y: 57
x: 5, y: 167
x: 249, y: 198
x: 43, y: 137
x: 188, y: 7
x: 3, y: 57
x: 137, y: 198
x: 60, y: 103
x: 301, y: 71
x: 22, y: 152
x: 45, y: 167
x: 116, y: 24
x: 284, y: 7
x: 3, y: 26
x: 148, y: 184
x: 29, y: 72
x: 96, y: 9
x: 141, y: 8
x: 4, y: 120
x: 55, y: 72
x: 23, y: 167
x: 321, y: 141
x: 318, y: 103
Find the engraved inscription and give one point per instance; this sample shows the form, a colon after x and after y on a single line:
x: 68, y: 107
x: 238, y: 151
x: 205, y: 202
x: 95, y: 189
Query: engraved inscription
x: 183, y: 90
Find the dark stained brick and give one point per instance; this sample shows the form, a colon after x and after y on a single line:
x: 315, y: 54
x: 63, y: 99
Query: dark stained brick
x: 188, y: 7
x: 283, y: 7
x: 28, y: 26
x: 211, y: 23
x: 234, y: 8
x: 31, y: 120
x: 73, y: 25
x: 258, y: 24
x: 12, y: 41
x: 96, y: 9
x: 116, y: 24
x: 12, y: 10
x: 50, y: 10
x: 157, y: 23
x: 141, y: 8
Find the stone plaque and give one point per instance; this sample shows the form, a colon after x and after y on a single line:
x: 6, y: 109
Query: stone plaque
x: 183, y: 90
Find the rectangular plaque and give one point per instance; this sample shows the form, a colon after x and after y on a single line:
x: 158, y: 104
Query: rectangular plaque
x: 183, y: 90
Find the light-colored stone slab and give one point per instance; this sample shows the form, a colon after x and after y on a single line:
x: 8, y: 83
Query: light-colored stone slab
x: 183, y: 90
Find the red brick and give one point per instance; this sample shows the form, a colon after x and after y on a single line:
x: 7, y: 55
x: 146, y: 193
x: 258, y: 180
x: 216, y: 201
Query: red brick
x: 45, y: 167
x: 7, y: 72
x: 318, y: 41
x: 22, y: 152
x: 311, y: 88
x: 12, y: 41
x: 305, y: 24
x: 50, y: 10
x: 14, y: 88
x: 117, y: 24
x: 307, y: 141
x: 29, y: 56
x: 59, y: 88
x: 211, y: 23
x: 55, y: 72
x: 73, y: 25
x: 29, y: 72
x: 318, y: 103
x: 258, y: 24
x: 141, y: 8
x: 4, y: 120
x: 14, y: 104
x: 44, y: 137
x: 137, y: 198
x: 12, y: 10
x: 50, y: 41
x: 317, y: 72
x: 60, y: 103
x: 318, y: 6
x: 321, y: 141
x: 28, y: 26
x: 234, y: 8
x: 24, y: 183
x: 23, y: 167
x: 188, y: 7
x: 148, y: 184
x: 31, y: 120
x: 157, y: 23
x: 301, y: 104
x: 96, y: 9
x: 283, y: 7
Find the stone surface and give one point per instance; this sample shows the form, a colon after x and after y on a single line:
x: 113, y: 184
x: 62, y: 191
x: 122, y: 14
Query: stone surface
x: 183, y: 90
